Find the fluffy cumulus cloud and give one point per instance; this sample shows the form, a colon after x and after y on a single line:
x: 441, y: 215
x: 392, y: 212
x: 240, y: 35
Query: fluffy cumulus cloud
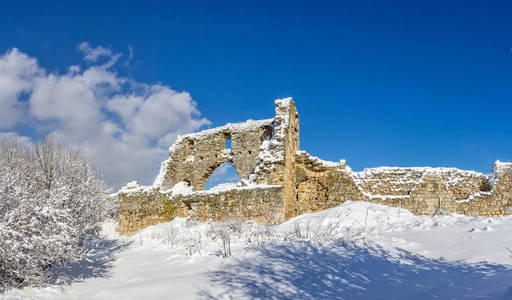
x: 122, y: 126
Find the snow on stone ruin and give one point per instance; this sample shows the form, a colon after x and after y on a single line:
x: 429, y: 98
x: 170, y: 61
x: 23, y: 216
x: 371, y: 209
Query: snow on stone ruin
x: 279, y: 181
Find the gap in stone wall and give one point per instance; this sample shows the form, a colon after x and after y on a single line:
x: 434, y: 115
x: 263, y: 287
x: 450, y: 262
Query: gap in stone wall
x: 224, y: 174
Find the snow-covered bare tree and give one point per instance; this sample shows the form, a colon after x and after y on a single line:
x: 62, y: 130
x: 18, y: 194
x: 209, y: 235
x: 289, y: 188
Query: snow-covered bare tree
x: 224, y: 231
x: 52, y: 202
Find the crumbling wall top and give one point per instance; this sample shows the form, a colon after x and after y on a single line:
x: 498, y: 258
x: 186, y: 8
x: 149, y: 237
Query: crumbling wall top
x: 250, y: 146
x: 249, y: 125
x: 501, y: 167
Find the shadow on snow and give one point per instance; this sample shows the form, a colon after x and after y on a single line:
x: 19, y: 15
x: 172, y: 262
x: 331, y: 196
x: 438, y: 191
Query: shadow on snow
x: 339, y: 270
x: 97, y: 263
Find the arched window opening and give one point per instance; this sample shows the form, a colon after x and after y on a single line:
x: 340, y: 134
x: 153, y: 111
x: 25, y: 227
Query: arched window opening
x: 228, y: 143
x: 223, y: 177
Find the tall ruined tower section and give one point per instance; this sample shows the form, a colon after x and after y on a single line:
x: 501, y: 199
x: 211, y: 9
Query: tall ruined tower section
x: 277, y: 158
x: 291, y: 146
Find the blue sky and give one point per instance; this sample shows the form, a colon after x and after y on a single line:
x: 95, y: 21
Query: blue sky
x: 403, y: 83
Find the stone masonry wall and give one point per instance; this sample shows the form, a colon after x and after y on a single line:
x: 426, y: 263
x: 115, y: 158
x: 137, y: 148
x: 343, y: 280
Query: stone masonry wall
x: 423, y: 191
x: 262, y: 152
x: 143, y: 208
x: 262, y: 204
x: 279, y: 182
x: 321, y: 185
x: 194, y: 157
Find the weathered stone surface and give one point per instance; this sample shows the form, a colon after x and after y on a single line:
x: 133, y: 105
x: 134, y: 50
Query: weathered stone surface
x: 319, y: 187
x: 262, y: 204
x: 140, y: 209
x: 280, y: 182
x: 194, y: 157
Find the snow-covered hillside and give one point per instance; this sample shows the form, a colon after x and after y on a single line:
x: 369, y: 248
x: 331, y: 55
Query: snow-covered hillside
x: 358, y: 250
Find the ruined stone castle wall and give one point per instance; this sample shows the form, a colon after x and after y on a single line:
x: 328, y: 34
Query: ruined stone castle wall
x: 262, y: 152
x: 320, y: 185
x: 423, y: 191
x: 279, y: 182
x: 194, y: 157
x: 142, y: 207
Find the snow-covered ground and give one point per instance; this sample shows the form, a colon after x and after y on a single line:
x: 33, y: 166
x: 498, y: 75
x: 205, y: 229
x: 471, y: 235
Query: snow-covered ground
x: 358, y: 250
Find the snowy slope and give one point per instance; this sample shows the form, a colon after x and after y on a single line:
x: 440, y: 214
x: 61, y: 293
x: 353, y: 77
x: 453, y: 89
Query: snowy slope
x: 358, y: 250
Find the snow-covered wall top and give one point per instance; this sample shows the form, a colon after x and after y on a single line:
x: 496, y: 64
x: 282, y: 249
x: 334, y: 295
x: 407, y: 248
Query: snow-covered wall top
x: 226, y: 131
x: 401, y: 181
x: 501, y: 167
x: 252, y: 147
x: 249, y: 125
x: 423, y: 190
x: 276, y: 175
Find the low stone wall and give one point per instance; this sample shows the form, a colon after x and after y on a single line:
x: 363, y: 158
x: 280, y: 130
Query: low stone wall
x: 423, y: 191
x: 321, y: 185
x: 498, y: 201
x: 401, y: 181
x: 141, y: 208
x: 262, y: 204
x: 426, y: 191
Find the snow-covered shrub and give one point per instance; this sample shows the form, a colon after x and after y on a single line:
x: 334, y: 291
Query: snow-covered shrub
x: 224, y: 231
x: 52, y: 203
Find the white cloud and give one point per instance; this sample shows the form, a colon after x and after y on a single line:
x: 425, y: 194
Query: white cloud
x: 17, y: 73
x: 222, y: 169
x: 11, y: 136
x: 93, y: 54
x: 123, y: 127
x: 130, y: 55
